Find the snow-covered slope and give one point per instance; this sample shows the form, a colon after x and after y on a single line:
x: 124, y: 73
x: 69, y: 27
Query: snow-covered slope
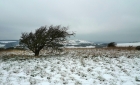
x: 78, y: 42
x: 128, y: 44
x: 2, y: 45
x: 7, y: 41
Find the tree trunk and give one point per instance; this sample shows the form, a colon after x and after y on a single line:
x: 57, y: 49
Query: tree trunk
x: 37, y: 53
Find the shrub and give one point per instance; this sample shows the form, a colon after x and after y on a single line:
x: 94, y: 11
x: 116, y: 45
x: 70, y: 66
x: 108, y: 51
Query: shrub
x: 138, y: 48
x: 112, y: 44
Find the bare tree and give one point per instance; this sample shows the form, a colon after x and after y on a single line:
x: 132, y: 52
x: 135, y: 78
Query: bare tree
x: 53, y: 37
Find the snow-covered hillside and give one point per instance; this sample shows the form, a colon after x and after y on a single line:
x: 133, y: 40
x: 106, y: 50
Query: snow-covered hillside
x: 67, y: 43
x: 2, y: 45
x: 8, y: 43
x: 73, y: 44
x: 78, y: 42
x: 128, y: 44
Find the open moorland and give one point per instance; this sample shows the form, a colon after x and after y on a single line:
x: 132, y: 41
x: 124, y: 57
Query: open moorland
x: 120, y: 66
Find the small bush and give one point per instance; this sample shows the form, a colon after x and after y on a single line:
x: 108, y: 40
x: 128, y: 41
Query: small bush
x: 112, y: 44
x: 138, y: 48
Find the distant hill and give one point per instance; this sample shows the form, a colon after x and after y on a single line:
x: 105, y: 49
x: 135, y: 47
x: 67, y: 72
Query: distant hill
x: 134, y: 44
x: 78, y: 42
x: 9, y: 43
x: 71, y: 43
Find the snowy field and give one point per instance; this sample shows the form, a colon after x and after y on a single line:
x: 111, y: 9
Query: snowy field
x: 71, y: 67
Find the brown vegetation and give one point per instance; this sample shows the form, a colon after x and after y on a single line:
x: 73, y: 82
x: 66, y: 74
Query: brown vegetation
x: 94, y: 52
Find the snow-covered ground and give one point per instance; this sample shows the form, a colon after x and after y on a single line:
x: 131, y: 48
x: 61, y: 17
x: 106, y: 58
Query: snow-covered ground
x: 128, y: 44
x: 72, y: 67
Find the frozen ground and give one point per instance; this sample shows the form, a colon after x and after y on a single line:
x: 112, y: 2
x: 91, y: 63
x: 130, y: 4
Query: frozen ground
x: 72, y: 67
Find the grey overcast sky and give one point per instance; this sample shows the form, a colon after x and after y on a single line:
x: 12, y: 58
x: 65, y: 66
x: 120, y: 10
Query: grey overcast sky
x: 93, y: 20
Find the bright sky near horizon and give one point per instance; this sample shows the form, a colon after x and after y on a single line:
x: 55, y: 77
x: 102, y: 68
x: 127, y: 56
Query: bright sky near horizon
x: 92, y: 20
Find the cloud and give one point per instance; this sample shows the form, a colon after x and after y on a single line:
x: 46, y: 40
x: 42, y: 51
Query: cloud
x: 85, y: 17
